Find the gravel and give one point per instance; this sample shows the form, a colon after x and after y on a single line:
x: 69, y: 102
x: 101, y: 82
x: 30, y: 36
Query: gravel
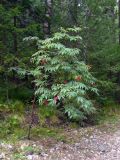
x: 92, y: 144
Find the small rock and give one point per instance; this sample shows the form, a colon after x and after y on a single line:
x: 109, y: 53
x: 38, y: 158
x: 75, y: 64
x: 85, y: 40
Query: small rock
x: 43, y: 154
x: 75, y: 132
x: 2, y: 155
x: 103, y: 148
x: 32, y: 157
x: 34, y: 145
x: 9, y: 147
x: 29, y: 157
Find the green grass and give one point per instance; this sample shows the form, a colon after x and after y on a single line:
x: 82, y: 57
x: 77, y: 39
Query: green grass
x: 15, y: 133
x: 13, y: 127
x: 109, y: 114
x: 46, y: 132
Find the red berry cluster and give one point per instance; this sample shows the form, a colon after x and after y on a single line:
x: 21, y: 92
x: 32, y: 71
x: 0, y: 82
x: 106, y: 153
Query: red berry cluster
x: 93, y: 84
x: 78, y: 78
x: 43, y: 62
x: 45, y: 102
x: 65, y: 81
x: 56, y: 99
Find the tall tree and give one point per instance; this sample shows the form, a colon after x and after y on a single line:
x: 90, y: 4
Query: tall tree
x: 47, y: 20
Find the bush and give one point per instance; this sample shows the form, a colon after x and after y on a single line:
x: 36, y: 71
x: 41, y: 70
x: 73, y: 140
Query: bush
x: 61, y: 78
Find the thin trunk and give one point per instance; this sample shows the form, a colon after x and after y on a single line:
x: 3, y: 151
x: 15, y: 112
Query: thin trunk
x: 73, y: 8
x: 119, y: 19
x: 7, y: 92
x: 48, y: 16
x: 114, y: 25
x: 15, y: 35
x: 31, y: 119
x: 76, y: 11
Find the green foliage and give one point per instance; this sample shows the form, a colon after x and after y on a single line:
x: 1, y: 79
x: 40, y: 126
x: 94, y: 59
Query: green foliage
x: 12, y: 106
x: 109, y: 114
x: 106, y: 66
x: 10, y: 124
x: 14, y: 121
x: 59, y: 74
x: 19, y: 156
x: 50, y: 113
x: 15, y: 24
x: 22, y: 92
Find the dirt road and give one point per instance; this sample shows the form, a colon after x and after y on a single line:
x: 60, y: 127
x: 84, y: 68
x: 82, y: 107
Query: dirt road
x: 92, y: 143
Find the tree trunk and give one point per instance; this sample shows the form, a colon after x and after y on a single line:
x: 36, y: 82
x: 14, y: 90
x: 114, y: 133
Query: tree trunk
x: 15, y: 44
x: 114, y: 25
x: 119, y: 19
x: 73, y: 6
x: 75, y: 11
x: 48, y: 16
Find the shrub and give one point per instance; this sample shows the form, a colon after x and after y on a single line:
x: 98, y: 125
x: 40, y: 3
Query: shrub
x: 61, y: 78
